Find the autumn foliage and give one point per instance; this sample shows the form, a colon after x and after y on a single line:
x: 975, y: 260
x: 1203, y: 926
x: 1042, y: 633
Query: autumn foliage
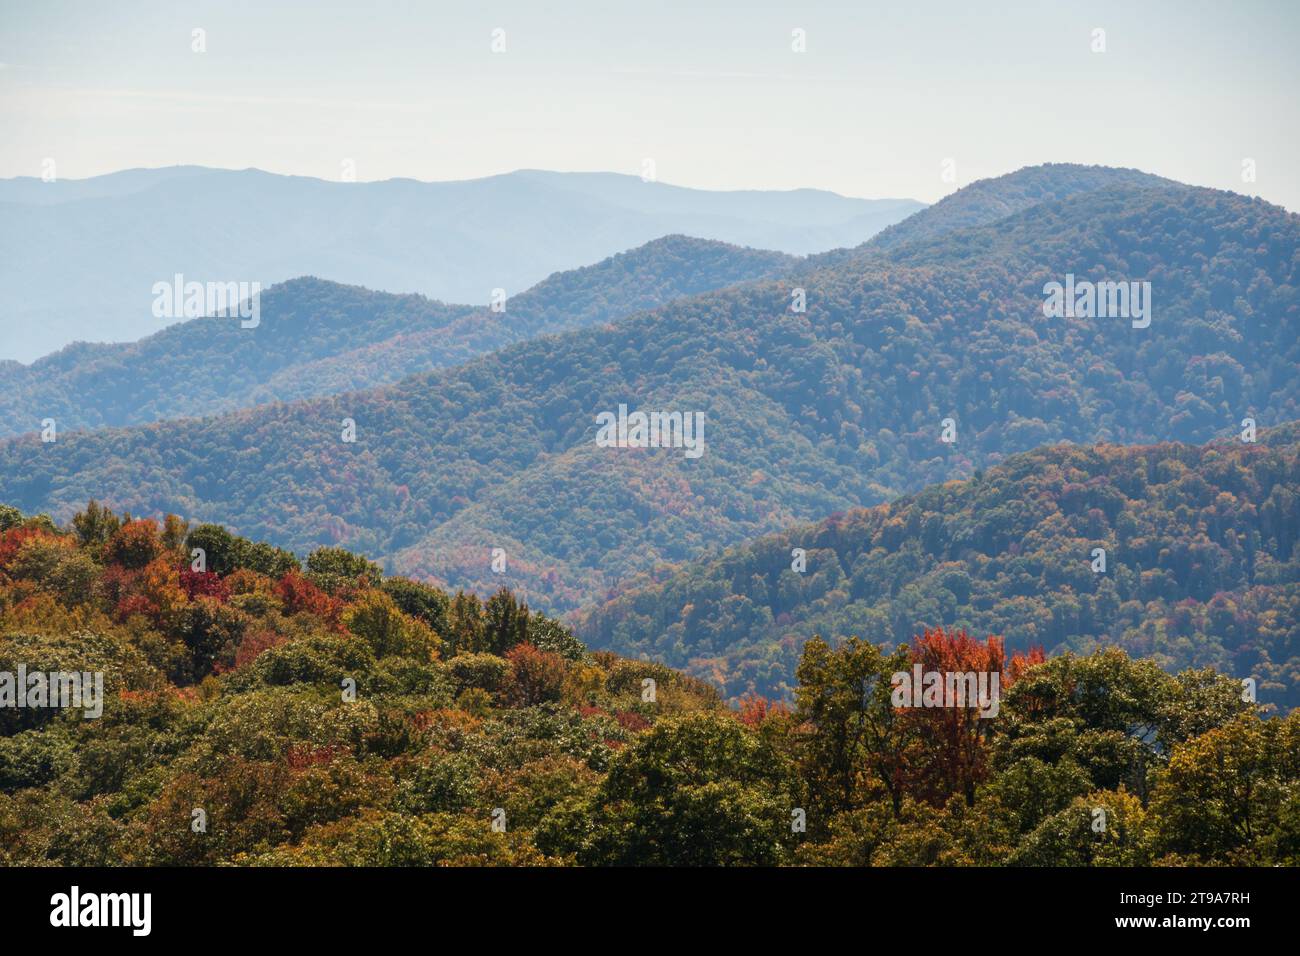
x: 301, y: 596
x: 328, y: 714
x: 951, y: 753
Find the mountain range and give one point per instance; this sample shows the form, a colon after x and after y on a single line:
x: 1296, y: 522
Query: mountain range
x: 316, y: 337
x: 78, y: 258
x: 468, y: 456
x: 807, y: 413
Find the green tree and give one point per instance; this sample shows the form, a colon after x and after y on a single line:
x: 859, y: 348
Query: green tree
x: 93, y: 527
x: 505, y: 622
x: 465, y: 625
x: 854, y: 741
x: 332, y: 569
x: 696, y: 790
x: 419, y: 600
x: 1224, y: 793
x: 376, y: 619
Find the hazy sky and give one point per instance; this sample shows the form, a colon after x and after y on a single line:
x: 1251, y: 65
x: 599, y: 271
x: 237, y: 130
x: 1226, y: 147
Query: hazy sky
x: 711, y: 91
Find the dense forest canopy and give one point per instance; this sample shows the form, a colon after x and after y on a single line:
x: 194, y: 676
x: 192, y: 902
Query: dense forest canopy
x: 1201, y: 568
x: 263, y: 712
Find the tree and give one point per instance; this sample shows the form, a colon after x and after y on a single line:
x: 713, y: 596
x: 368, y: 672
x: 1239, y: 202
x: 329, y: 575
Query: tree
x: 1106, y: 828
x: 538, y: 675
x: 547, y: 634
x: 950, y: 755
x: 465, y: 624
x: 174, y: 531
x: 93, y: 527
x: 376, y: 619
x: 505, y: 622
x: 225, y: 553
x: 1223, y: 793
x: 696, y: 790
x: 135, y: 544
x: 212, y: 632
x: 299, y: 595
x: 483, y: 672
x: 852, y: 739
x: 419, y: 600
x: 332, y: 569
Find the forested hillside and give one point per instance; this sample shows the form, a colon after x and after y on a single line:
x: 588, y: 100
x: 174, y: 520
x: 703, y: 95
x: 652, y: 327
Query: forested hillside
x: 986, y: 201
x: 1201, y: 569
x: 807, y: 413
x: 320, y: 338
x: 257, y: 713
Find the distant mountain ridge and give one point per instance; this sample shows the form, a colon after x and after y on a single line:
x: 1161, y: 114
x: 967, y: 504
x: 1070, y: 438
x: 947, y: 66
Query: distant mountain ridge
x: 78, y: 258
x: 317, y: 338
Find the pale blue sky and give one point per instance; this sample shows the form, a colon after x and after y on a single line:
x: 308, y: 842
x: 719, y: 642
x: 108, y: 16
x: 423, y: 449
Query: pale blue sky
x: 711, y: 91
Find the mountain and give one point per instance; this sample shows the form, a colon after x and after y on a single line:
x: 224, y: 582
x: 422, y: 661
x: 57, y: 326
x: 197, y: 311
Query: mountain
x: 806, y: 414
x: 1201, y: 569
x: 78, y: 259
x: 35, y: 191
x: 261, y: 713
x: 986, y: 201
x: 317, y: 338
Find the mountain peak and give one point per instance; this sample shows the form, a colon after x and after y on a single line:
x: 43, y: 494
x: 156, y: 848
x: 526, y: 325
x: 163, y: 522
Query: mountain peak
x: 987, y: 200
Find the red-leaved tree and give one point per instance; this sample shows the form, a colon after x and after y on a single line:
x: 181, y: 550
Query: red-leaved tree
x: 950, y: 753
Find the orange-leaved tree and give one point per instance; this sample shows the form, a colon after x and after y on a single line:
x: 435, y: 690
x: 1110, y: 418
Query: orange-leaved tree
x: 965, y: 677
